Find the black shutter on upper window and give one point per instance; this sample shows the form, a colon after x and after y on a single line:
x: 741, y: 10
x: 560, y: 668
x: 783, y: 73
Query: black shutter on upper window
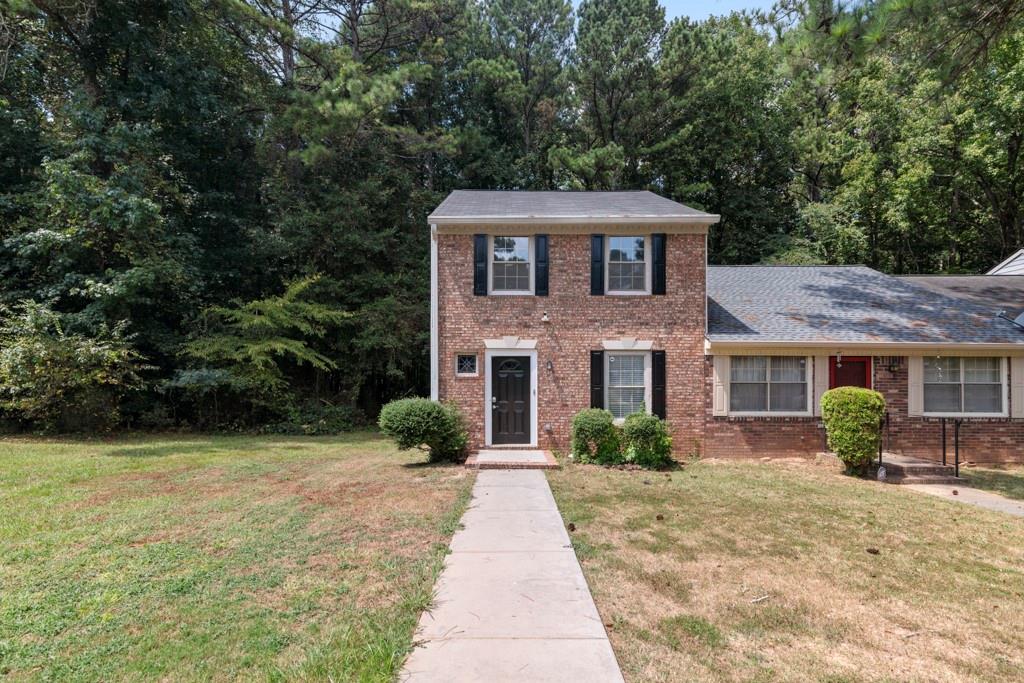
x: 540, y: 286
x: 597, y: 264
x: 658, y: 383
x: 480, y: 265
x: 597, y: 379
x: 658, y: 243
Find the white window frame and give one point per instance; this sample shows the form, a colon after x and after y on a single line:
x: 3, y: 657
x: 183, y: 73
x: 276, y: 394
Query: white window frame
x: 648, y: 378
x: 476, y: 372
x: 809, y: 392
x: 531, y: 267
x: 1002, y: 380
x: 647, y: 268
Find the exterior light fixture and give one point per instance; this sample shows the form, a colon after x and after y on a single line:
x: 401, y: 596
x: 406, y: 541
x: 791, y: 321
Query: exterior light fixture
x: 550, y: 366
x: 544, y: 317
x: 839, y: 359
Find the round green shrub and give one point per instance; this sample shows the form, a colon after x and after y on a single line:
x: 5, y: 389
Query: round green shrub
x: 418, y: 422
x: 853, y: 423
x: 595, y: 438
x: 646, y: 441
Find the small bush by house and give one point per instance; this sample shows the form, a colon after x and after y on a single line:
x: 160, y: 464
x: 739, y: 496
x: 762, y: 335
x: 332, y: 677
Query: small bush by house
x: 418, y: 422
x: 645, y: 441
x: 853, y: 423
x: 595, y: 438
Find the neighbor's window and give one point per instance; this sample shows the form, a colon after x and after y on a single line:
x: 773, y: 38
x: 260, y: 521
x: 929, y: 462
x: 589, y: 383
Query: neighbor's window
x: 627, y: 383
x: 764, y: 384
x: 627, y: 264
x: 465, y: 364
x: 963, y: 385
x: 510, y: 264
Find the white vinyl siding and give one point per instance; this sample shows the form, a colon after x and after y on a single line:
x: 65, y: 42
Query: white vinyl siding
x: 768, y: 384
x: 627, y: 383
x: 964, y: 386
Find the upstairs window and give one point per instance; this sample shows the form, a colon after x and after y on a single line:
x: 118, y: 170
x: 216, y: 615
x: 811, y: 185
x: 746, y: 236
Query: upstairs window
x: 768, y: 384
x: 960, y: 386
x: 510, y: 265
x: 628, y: 271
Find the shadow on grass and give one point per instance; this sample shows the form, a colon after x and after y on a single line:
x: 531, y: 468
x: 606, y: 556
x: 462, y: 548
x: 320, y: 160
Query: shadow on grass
x: 1008, y: 482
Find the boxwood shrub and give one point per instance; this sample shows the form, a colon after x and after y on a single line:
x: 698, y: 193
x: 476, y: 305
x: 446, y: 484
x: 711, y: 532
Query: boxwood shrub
x: 595, y: 438
x: 645, y: 441
x: 853, y: 423
x: 420, y: 422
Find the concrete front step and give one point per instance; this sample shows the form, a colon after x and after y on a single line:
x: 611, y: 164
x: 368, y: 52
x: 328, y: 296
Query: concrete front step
x: 512, y: 459
x: 924, y: 479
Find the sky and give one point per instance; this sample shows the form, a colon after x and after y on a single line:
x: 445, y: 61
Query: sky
x: 702, y: 9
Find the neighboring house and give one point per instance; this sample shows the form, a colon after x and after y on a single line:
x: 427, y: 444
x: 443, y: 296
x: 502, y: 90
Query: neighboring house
x: 546, y: 303
x: 1014, y: 265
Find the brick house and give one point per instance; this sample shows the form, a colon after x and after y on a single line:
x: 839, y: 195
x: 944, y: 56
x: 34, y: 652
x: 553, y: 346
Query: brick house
x: 546, y: 303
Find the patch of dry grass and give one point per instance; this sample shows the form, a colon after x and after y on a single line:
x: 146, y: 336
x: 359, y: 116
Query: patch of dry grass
x: 217, y: 558
x: 1007, y: 480
x: 753, y: 571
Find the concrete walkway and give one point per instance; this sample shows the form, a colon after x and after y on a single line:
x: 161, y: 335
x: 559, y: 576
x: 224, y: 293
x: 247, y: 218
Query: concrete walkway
x: 969, y: 496
x: 512, y: 603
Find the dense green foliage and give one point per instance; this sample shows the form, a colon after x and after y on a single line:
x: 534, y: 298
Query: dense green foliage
x: 646, y: 441
x: 853, y: 423
x: 416, y: 422
x: 168, y: 167
x: 595, y: 438
x: 61, y: 381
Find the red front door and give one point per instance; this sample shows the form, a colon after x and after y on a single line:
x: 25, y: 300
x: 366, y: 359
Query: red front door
x: 849, y: 371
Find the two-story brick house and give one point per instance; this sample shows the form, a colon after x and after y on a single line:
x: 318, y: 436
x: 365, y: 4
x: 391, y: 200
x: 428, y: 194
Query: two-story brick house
x: 546, y: 303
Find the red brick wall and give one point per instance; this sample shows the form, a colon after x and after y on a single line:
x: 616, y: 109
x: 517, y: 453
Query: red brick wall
x: 981, y: 440
x: 578, y: 324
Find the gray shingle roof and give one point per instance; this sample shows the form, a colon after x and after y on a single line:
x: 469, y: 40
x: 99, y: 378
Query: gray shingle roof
x: 818, y: 304
x: 992, y: 292
x: 482, y: 206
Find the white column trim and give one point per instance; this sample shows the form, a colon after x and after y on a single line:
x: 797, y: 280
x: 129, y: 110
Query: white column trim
x: 532, y: 355
x: 435, y: 375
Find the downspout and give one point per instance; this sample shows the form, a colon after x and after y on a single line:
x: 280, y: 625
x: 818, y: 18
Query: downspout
x: 435, y: 388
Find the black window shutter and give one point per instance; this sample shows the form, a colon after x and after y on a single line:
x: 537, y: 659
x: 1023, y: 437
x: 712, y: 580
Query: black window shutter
x: 540, y: 286
x: 658, y: 383
x: 597, y: 264
x: 597, y: 379
x: 480, y: 265
x: 658, y: 263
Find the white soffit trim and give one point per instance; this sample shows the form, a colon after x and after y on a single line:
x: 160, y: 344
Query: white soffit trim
x: 805, y: 348
x: 627, y: 344
x: 510, y: 342
x: 688, y: 219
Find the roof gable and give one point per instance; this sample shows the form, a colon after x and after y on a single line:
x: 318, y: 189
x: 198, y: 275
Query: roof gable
x: 1014, y: 265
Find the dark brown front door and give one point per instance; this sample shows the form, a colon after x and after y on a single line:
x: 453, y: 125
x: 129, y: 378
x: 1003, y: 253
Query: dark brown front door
x: 849, y: 371
x: 510, y: 399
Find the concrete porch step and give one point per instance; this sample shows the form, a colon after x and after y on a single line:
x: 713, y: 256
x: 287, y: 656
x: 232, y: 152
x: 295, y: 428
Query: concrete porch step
x: 924, y: 479
x: 512, y: 459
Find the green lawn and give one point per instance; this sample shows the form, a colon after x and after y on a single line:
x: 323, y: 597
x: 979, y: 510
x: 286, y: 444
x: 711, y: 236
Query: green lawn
x: 755, y: 571
x: 1007, y: 481
x: 217, y: 558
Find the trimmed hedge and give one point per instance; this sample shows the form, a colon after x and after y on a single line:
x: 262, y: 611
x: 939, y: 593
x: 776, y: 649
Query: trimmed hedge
x: 853, y: 423
x: 646, y: 441
x: 418, y: 422
x: 594, y: 437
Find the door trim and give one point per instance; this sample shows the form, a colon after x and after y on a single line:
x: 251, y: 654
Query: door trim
x: 869, y: 370
x: 532, y: 355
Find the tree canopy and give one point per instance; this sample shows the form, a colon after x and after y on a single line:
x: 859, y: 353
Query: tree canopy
x: 219, y: 195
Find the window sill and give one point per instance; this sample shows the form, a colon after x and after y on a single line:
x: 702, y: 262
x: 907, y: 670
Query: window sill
x: 626, y: 293
x: 466, y: 375
x: 510, y: 292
